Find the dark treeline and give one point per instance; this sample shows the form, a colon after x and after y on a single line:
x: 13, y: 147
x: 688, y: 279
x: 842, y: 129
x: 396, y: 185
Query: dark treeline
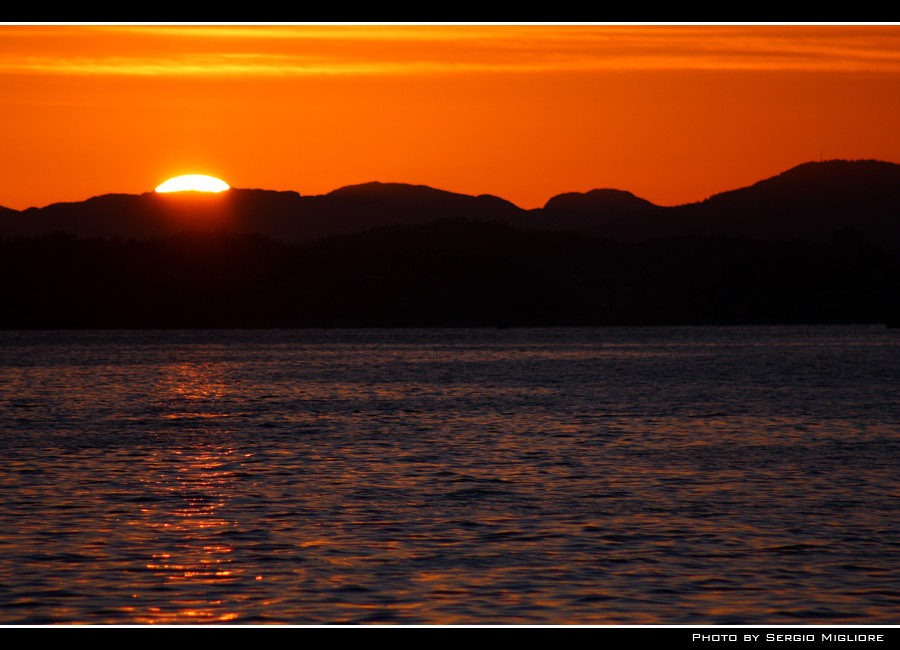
x: 456, y: 272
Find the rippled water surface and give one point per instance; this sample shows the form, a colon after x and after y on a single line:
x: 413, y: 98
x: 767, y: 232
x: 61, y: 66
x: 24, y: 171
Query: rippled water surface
x: 545, y: 476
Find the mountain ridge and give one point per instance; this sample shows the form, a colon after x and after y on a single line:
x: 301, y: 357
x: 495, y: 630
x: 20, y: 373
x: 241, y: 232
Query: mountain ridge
x: 812, y: 200
x: 819, y: 244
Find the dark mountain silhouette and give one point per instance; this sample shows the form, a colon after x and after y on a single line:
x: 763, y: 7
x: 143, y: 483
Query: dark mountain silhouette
x: 285, y: 216
x: 818, y: 243
x: 812, y: 201
x: 598, y: 213
x: 599, y: 201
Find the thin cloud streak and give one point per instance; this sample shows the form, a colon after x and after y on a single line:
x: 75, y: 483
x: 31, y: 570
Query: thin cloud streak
x: 297, y: 51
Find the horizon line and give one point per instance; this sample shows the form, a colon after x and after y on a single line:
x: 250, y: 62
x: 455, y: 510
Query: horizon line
x: 440, y: 189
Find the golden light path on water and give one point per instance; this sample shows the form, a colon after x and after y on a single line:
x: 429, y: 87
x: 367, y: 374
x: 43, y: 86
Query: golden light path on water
x: 188, y: 527
x: 189, y: 555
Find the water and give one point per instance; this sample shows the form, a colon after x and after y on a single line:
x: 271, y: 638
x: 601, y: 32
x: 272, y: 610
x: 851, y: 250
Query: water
x: 543, y: 476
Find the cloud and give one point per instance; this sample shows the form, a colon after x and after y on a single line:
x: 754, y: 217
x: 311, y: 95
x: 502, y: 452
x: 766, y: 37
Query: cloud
x: 307, y: 50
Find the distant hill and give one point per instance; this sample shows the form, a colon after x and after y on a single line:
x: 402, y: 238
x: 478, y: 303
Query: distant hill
x: 284, y: 216
x: 812, y: 202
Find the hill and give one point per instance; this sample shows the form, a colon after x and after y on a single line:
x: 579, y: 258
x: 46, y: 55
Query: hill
x: 284, y: 216
x: 812, y: 202
x: 816, y: 244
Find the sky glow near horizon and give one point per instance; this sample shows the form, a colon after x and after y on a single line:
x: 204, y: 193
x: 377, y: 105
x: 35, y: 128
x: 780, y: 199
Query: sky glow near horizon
x: 672, y: 113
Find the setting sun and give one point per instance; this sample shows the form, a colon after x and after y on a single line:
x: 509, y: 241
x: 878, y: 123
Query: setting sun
x: 193, y: 182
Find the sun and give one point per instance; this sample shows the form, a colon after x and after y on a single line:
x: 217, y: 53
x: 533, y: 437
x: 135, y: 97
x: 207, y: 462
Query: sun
x: 193, y: 182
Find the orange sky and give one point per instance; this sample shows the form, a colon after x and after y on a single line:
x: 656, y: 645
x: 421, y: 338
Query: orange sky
x: 673, y: 113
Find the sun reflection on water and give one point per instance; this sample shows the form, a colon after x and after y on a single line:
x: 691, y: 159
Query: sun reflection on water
x: 187, y: 527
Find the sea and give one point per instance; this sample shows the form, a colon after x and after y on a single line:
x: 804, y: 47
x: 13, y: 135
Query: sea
x: 492, y: 476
